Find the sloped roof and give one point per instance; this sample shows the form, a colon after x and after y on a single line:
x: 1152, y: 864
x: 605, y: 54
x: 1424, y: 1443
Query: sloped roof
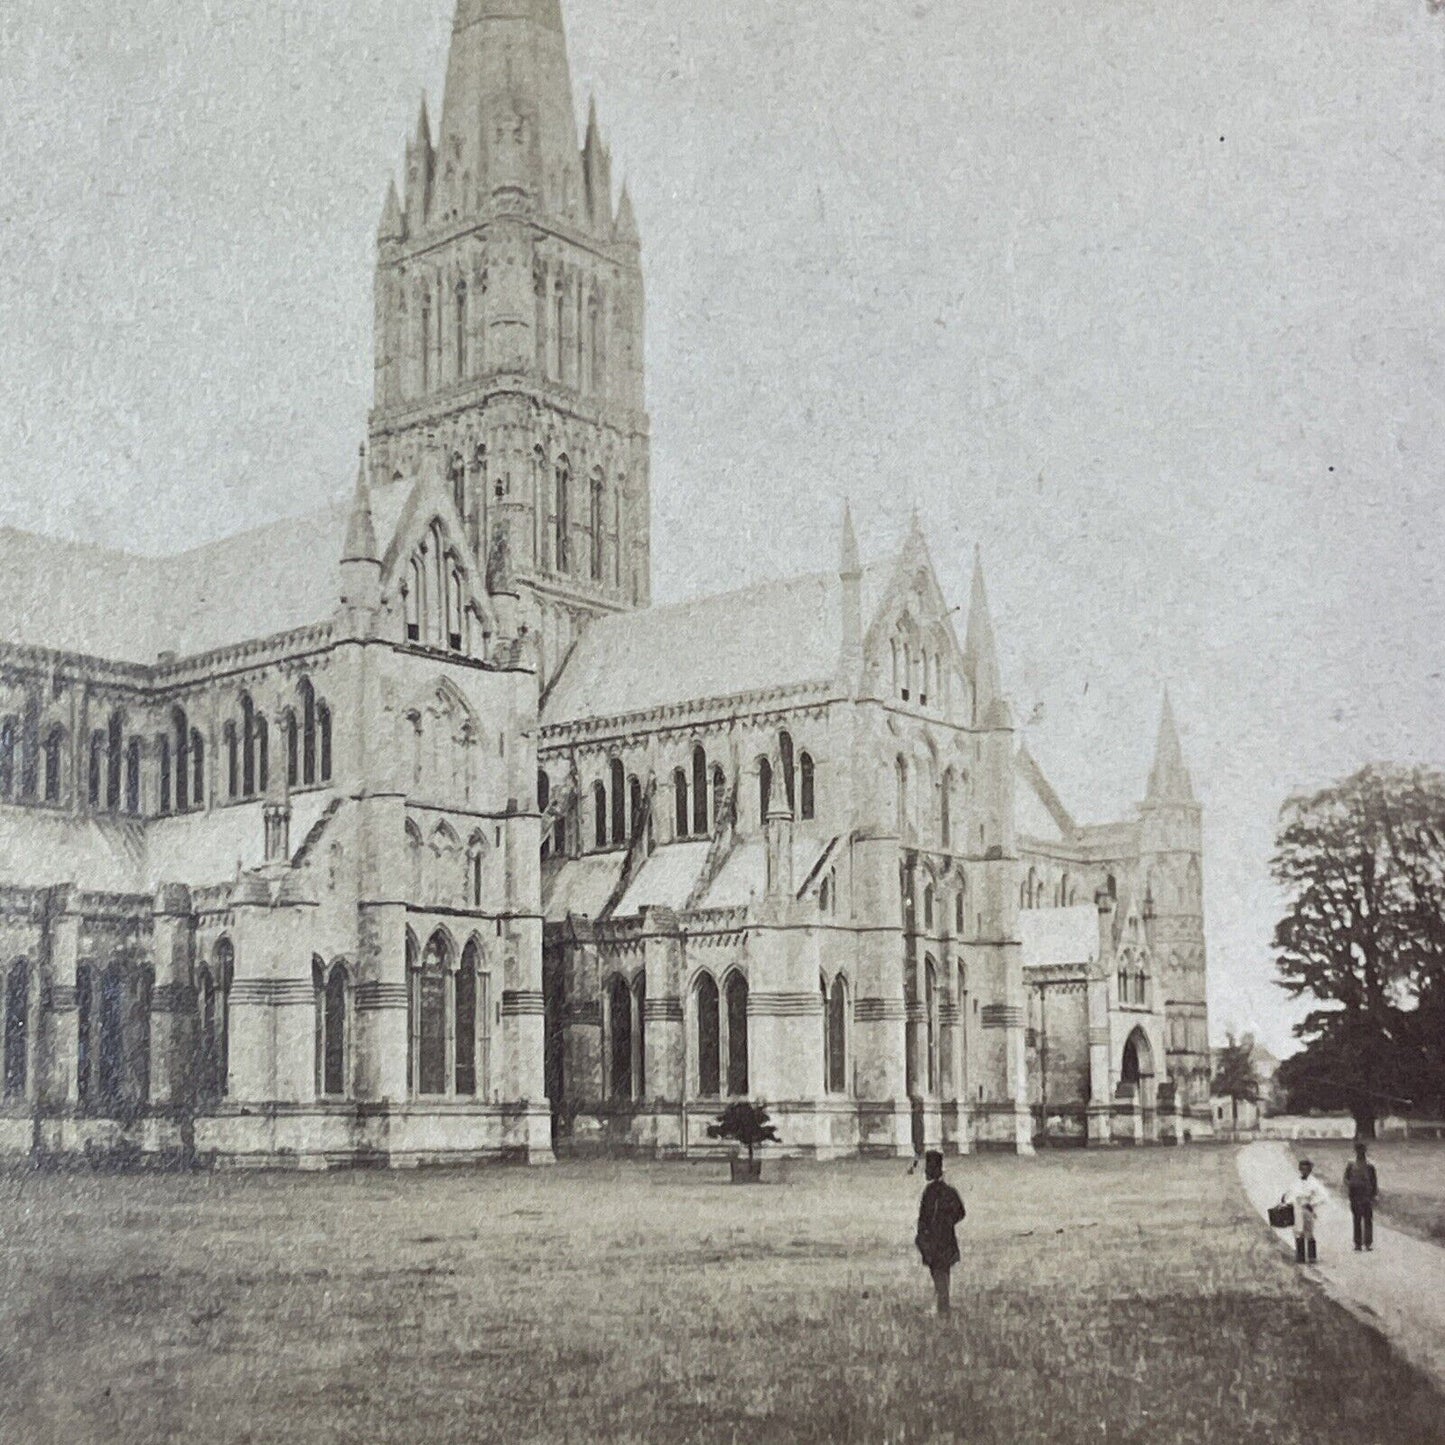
x: 580, y: 885
x: 773, y: 634
x: 74, y: 597
x: 40, y: 847
x: 666, y: 878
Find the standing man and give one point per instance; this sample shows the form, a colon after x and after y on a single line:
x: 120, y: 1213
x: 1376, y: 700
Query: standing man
x: 1308, y: 1196
x: 939, y: 1214
x: 1362, y: 1185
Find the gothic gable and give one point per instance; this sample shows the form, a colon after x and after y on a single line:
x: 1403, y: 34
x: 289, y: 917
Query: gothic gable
x: 910, y: 648
x: 431, y: 576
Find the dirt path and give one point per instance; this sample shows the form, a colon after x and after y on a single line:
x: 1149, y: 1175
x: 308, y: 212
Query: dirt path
x: 1399, y: 1287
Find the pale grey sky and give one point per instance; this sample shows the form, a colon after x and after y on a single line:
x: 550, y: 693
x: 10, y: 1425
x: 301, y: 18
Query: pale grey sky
x: 1146, y: 298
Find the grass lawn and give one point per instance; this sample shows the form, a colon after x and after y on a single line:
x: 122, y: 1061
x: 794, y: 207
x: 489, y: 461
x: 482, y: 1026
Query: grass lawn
x: 1412, y: 1180
x: 1127, y: 1296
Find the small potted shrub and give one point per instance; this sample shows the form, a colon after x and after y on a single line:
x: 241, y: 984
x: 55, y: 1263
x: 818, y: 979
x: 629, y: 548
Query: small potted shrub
x: 746, y: 1124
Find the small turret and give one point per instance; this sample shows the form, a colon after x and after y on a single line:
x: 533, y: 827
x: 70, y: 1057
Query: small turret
x: 596, y: 170
x: 393, y: 224
x: 980, y: 655
x: 850, y: 576
x: 1169, y: 780
x: 420, y: 171
x: 778, y: 826
x: 360, y: 561
x: 624, y: 232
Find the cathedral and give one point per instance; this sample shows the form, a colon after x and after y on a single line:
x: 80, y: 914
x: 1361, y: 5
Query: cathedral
x: 411, y: 832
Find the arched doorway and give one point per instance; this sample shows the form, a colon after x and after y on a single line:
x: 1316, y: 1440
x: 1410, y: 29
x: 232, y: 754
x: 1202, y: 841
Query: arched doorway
x: 1136, y: 1069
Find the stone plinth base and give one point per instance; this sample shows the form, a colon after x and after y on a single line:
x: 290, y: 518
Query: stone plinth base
x: 298, y: 1136
x: 1006, y: 1128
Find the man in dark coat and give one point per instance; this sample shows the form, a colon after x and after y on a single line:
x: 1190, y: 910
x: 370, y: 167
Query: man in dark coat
x: 939, y: 1214
x: 1362, y: 1184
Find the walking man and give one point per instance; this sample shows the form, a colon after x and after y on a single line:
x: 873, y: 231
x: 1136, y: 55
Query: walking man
x: 1362, y: 1184
x: 939, y: 1214
x: 1308, y: 1196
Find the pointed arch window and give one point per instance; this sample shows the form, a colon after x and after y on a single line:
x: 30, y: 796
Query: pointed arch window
x: 563, y: 518
x: 945, y: 811
x: 765, y: 789
x: 719, y: 792
x: 430, y: 985
x: 293, y: 748
x: 308, y: 731
x: 900, y: 769
x: 248, y: 745
x: 707, y: 1037
x: 699, y: 791
x: 132, y: 777
x: 96, y: 769
x: 182, y: 732
x: 263, y: 754
x: 426, y: 341
x: 806, y: 802
x: 639, y: 1033
x: 837, y: 1004
x: 618, y: 788
x: 233, y: 760
x: 323, y: 737
x: 53, y: 754
x: 785, y: 755
x: 17, y: 1029
x: 736, y: 995
x: 598, y: 345
x: 213, y: 992
x: 634, y: 809
x: 618, y: 1027
x: 595, y: 525
x: 413, y: 600
x: 468, y: 996
x: 198, y: 769
x: 8, y: 750
x: 456, y: 610
x: 461, y: 325
x: 114, y: 760
x: 682, y: 816
x: 476, y: 853
x: 930, y: 1010
x: 163, y: 771
x: 599, y: 810
x: 334, y: 1019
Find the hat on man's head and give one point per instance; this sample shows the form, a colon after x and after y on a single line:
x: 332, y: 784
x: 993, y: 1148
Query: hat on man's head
x: 932, y: 1162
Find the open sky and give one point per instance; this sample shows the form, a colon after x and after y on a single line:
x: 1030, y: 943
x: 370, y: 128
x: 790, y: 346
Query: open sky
x: 1144, y: 298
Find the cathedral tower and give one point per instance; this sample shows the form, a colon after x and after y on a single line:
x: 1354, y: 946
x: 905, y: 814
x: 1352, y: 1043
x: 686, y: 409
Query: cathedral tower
x: 1171, y: 848
x: 509, y: 327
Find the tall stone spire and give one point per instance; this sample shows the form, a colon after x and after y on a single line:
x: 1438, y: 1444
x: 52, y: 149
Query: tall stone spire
x: 507, y: 120
x: 509, y: 325
x: 1169, y: 777
x: 980, y: 652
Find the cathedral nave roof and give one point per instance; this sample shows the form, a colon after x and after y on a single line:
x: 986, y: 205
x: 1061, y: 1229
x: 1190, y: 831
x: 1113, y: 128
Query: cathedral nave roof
x: 774, y: 634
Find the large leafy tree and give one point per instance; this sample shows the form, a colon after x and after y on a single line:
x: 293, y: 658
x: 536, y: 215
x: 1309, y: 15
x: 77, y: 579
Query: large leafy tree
x: 1363, y: 865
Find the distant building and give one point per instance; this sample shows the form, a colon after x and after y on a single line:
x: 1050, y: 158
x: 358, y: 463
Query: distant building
x: 1241, y: 1114
x: 410, y: 831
